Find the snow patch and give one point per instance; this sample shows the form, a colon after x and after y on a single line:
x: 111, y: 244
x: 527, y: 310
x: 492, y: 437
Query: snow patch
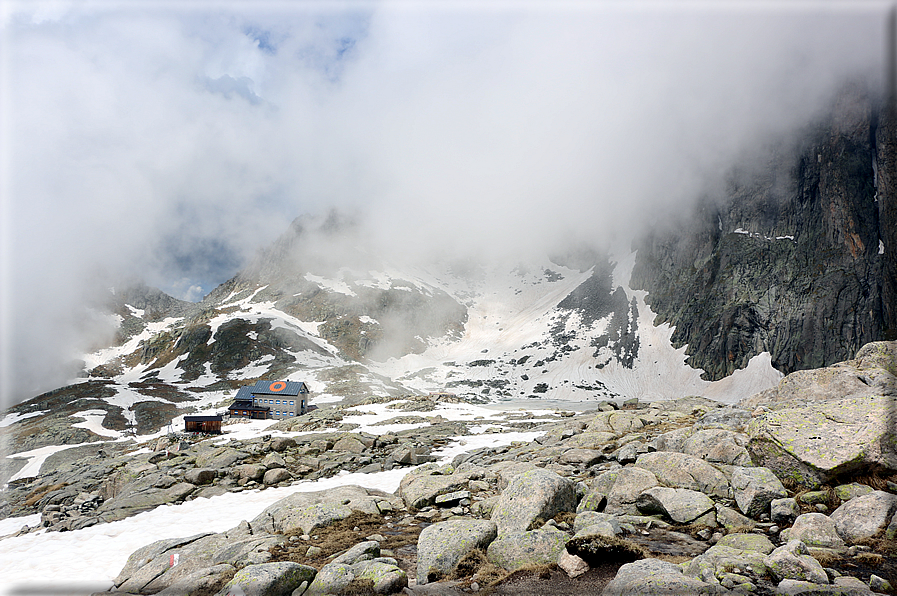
x: 93, y: 421
x: 14, y: 417
x: 333, y: 285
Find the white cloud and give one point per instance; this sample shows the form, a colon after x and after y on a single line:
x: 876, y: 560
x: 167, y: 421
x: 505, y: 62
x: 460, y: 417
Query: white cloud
x: 154, y: 140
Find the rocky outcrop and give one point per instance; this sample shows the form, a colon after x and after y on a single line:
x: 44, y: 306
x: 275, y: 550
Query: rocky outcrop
x: 830, y: 422
x: 804, y: 239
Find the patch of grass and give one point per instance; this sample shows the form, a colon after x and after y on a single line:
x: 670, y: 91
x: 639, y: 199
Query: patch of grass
x: 476, y: 567
x: 38, y: 493
x: 870, y: 559
x: 359, y: 587
x: 596, y: 550
x: 542, y: 572
x: 883, y: 546
x: 826, y: 559
x: 341, y: 535
x: 566, y: 517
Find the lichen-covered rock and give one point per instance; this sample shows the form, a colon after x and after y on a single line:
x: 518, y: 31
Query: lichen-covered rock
x: 793, y: 561
x: 200, y: 475
x: 755, y: 488
x: 795, y: 587
x: 514, y: 550
x: 752, y: 542
x: 814, y: 529
x: 590, y: 518
x: 442, y: 545
x: 623, y: 487
x: 581, y: 457
x: 532, y: 495
x: 268, y: 579
x: 204, y: 580
x: 163, y: 564
x: 731, y: 419
x: 385, y: 577
x: 679, y: 504
x: 673, y: 440
x: 720, y: 558
x: 653, y: 577
x: 680, y: 470
x: 718, y: 445
x: 308, y: 511
x: 814, y: 443
x: 615, y: 422
x: 783, y: 511
x: 422, y: 490
x: 592, y: 500
x: 846, y: 492
x: 871, y: 372
x: 864, y: 517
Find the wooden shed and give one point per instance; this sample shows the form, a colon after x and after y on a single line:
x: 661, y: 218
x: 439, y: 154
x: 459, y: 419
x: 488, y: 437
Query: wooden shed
x: 203, y: 424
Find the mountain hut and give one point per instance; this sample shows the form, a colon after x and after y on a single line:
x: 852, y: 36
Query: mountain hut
x: 271, y: 399
x: 203, y: 424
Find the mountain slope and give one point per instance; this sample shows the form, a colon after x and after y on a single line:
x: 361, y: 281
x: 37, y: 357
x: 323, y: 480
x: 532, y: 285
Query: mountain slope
x: 795, y: 259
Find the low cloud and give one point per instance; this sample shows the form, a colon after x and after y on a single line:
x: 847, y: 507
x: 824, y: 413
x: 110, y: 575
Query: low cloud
x: 172, y: 144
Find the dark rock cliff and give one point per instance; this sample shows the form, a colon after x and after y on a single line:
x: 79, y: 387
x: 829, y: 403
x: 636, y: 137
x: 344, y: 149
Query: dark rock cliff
x: 797, y: 258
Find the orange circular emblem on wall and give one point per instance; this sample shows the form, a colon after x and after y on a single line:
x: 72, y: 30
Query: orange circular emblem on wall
x: 278, y: 386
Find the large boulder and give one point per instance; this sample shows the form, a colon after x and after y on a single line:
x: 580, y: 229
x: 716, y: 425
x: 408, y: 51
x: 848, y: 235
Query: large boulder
x: 167, y: 563
x: 136, y: 501
x: 442, y: 545
x: 721, y: 558
x: 623, y: 487
x: 220, y: 457
x: 814, y: 529
x: 813, y: 443
x: 615, y: 422
x: 866, y: 517
x: 268, y: 579
x: 793, y: 561
x: 680, y: 470
x: 514, y: 550
x: 653, y: 577
x: 755, y: 489
x: 679, y: 504
x: 535, y: 494
x: 719, y: 445
x: 872, y: 372
x: 360, y: 570
x: 307, y: 511
x: 202, y: 581
x: 419, y: 489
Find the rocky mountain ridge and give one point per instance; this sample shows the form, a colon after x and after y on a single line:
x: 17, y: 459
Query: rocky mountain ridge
x: 795, y: 258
